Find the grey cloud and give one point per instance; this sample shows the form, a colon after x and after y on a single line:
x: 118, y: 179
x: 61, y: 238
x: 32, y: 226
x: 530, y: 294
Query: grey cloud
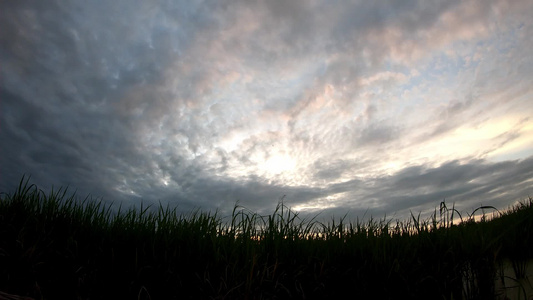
x: 113, y: 98
x: 61, y: 124
x: 420, y: 189
x: 468, y: 181
x: 447, y: 175
x: 328, y: 170
x: 353, y: 54
x: 377, y: 135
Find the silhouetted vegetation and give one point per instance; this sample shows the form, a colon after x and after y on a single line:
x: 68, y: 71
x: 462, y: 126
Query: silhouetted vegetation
x: 57, y: 247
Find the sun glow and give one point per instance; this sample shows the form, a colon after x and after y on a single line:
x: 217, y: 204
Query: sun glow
x: 319, y: 204
x: 277, y: 164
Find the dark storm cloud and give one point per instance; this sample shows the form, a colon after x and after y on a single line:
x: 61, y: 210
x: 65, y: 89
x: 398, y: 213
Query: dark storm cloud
x: 64, y: 68
x: 421, y: 188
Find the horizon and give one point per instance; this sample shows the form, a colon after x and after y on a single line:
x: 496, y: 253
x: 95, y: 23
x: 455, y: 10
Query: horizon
x: 358, y: 109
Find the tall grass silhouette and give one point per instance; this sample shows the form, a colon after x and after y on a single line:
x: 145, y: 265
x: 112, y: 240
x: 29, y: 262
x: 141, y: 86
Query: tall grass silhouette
x: 56, y: 246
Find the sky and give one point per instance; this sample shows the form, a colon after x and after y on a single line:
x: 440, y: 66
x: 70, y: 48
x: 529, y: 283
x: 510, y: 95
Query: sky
x: 356, y: 108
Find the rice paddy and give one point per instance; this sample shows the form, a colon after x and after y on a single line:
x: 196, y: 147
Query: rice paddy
x: 55, y: 246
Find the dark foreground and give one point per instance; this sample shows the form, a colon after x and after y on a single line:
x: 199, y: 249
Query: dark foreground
x: 56, y: 247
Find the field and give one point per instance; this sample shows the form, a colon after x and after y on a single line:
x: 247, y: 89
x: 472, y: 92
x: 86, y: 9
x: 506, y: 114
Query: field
x: 56, y: 246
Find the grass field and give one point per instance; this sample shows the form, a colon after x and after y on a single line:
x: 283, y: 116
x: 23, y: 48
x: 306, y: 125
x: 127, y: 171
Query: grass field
x: 57, y: 247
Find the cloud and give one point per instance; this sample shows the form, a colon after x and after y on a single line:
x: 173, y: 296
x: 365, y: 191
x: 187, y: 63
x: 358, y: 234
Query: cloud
x: 379, y: 106
x: 420, y: 188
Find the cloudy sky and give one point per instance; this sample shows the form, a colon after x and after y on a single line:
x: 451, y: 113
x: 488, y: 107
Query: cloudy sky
x: 340, y: 107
